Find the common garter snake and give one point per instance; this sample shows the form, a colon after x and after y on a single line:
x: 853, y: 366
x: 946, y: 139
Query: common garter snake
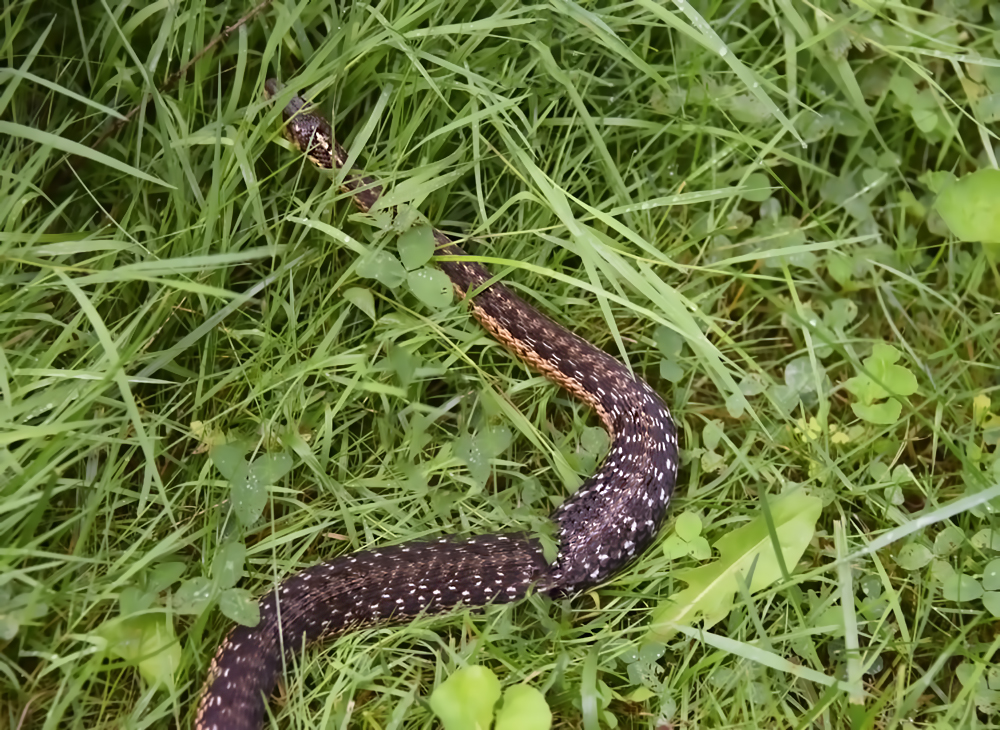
x: 610, y: 519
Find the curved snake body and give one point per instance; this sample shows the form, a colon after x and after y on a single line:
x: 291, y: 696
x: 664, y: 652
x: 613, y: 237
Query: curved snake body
x: 611, y: 518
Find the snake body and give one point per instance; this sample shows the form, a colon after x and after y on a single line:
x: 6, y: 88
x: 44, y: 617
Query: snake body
x: 610, y: 519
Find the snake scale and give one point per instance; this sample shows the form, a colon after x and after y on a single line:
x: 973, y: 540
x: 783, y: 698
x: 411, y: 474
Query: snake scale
x: 610, y: 519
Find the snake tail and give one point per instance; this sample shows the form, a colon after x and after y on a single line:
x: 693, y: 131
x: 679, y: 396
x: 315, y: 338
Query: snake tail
x: 612, y: 518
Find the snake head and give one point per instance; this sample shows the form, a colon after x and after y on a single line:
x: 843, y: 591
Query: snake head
x: 310, y: 132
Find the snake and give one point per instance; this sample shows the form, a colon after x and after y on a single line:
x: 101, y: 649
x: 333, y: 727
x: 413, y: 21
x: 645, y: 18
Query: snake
x: 611, y: 519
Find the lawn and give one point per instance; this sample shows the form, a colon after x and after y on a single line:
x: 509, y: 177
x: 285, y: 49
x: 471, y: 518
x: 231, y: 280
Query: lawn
x: 215, y: 371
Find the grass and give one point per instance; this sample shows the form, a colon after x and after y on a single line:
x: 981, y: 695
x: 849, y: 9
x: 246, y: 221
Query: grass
x: 637, y: 171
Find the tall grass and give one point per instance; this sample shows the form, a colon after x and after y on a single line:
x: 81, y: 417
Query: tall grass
x: 735, y: 198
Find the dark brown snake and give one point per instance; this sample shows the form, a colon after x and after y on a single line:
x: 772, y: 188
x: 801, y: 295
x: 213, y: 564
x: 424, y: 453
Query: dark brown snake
x: 610, y: 519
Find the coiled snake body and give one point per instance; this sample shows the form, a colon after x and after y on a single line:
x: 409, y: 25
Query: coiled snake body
x: 611, y: 518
